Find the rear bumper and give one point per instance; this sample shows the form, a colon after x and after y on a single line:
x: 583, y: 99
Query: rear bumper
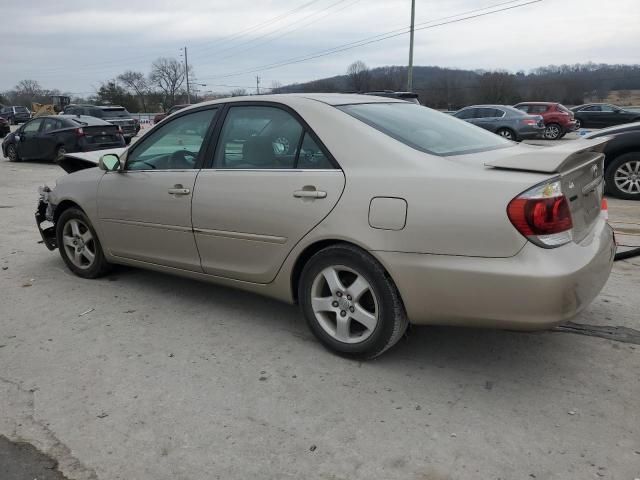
x: 535, y: 289
x: 570, y: 126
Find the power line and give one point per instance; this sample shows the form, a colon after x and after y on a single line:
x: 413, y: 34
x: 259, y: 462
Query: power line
x: 258, y: 26
x: 374, y: 39
x: 265, y: 35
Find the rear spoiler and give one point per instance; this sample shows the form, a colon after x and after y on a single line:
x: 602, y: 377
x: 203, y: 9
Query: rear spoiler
x: 562, y: 158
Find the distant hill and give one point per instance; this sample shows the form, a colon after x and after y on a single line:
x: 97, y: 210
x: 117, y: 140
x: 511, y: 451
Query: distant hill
x: 453, y: 88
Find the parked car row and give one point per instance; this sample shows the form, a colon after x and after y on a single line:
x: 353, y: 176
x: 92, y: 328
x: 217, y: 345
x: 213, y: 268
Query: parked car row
x: 557, y: 119
x: 114, y: 114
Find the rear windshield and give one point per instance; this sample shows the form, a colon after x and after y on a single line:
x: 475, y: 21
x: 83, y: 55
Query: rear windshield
x: 115, y: 113
x: 562, y: 108
x: 425, y: 129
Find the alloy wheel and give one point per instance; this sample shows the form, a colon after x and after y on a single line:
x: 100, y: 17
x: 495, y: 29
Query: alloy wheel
x: 552, y: 132
x: 79, y: 244
x: 344, y: 304
x: 627, y: 177
x: 506, y: 134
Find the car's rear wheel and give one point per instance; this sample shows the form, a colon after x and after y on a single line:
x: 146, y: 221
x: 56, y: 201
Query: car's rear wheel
x: 507, y: 133
x: 350, y: 303
x: 579, y: 124
x: 553, y: 131
x: 623, y: 176
x: 12, y: 121
x: 79, y: 245
x: 12, y: 153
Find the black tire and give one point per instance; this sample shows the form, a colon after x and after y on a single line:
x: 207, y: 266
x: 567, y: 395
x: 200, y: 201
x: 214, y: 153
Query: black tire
x: 12, y: 121
x: 579, y: 124
x: 391, y: 320
x: 622, y: 165
x: 507, y: 133
x: 127, y: 141
x: 99, y: 266
x: 12, y: 153
x: 553, y: 131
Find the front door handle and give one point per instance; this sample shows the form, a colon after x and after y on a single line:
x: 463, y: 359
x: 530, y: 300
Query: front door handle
x: 309, y: 194
x: 179, y: 190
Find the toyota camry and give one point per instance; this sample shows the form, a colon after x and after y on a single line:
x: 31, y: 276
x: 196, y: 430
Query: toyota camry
x: 370, y: 213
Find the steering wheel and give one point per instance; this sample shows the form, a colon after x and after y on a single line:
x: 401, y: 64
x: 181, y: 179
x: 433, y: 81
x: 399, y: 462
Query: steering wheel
x: 183, y: 159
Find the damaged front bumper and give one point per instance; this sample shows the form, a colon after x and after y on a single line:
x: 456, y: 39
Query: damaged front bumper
x: 44, y: 213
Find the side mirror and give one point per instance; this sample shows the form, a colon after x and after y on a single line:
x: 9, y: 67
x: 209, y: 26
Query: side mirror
x: 109, y: 162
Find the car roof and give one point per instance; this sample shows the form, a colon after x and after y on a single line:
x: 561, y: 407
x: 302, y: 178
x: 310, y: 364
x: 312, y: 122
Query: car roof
x: 537, y: 103
x: 333, y: 99
x: 89, y: 120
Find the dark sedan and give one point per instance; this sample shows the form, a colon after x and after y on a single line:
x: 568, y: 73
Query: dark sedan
x: 601, y: 115
x: 622, y: 161
x: 5, y: 129
x: 50, y: 137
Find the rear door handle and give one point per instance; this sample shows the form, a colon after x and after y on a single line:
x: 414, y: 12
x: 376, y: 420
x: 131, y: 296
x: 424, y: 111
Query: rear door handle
x: 309, y: 194
x: 179, y: 190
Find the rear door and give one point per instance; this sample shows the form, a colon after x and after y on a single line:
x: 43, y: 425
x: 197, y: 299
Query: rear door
x: 487, y: 118
x: 48, y: 137
x: 145, y: 210
x: 271, y: 182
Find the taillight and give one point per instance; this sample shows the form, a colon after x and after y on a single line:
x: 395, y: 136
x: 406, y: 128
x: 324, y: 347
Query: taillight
x: 79, y: 132
x: 529, y: 121
x: 542, y: 215
x: 604, y: 209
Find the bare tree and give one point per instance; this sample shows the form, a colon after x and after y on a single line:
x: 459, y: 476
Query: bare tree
x: 137, y: 82
x: 28, y: 88
x: 359, y: 76
x: 238, y: 92
x: 276, y: 87
x: 168, y: 74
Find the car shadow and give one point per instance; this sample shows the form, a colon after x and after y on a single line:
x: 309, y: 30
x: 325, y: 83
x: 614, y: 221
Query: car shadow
x: 497, y: 353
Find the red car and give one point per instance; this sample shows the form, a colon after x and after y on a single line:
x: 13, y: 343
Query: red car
x: 558, y: 119
x: 161, y: 116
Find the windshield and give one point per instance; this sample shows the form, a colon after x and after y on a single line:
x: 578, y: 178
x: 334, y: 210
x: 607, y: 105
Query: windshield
x: 114, y: 113
x: 425, y: 129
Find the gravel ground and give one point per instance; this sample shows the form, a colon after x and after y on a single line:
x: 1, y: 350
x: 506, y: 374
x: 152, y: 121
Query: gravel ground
x: 146, y: 376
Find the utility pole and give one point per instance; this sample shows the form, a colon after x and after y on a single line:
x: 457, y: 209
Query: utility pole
x: 186, y: 70
x: 257, y: 85
x: 410, y: 69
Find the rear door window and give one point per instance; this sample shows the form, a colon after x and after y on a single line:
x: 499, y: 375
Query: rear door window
x: 258, y: 137
x: 312, y: 156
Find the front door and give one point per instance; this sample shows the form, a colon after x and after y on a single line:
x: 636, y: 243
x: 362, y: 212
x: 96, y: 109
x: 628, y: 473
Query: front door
x: 145, y: 210
x: 28, y: 144
x: 270, y: 184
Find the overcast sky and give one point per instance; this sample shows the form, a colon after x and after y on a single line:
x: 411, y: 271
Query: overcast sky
x: 74, y: 45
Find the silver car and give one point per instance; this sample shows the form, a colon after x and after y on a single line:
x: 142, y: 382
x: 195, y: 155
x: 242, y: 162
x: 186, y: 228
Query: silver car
x: 369, y: 213
x: 508, y: 122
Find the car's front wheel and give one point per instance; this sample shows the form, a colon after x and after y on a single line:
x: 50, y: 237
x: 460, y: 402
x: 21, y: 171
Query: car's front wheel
x: 12, y: 153
x: 623, y: 176
x: 79, y: 245
x: 350, y: 303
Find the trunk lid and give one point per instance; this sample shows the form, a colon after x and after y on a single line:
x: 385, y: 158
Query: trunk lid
x: 580, y: 168
x: 98, y: 135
